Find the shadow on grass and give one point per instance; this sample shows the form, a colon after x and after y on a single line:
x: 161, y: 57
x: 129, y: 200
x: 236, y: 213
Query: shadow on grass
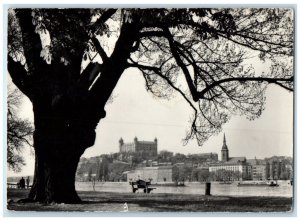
x: 200, y: 203
x: 157, y: 202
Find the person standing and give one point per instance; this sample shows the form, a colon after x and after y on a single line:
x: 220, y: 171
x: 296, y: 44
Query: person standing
x: 27, y: 182
x: 22, y: 183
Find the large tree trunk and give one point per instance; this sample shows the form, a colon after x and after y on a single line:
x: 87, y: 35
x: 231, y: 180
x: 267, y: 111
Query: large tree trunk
x: 54, y: 177
x: 58, y: 145
x: 65, y: 119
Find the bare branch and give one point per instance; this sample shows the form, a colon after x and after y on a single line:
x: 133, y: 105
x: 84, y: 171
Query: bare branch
x: 180, y: 63
x: 99, y: 49
x: 104, y: 17
x: 244, y: 79
x: 152, y: 34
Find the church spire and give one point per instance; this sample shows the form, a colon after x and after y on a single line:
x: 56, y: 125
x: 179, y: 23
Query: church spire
x: 224, y: 147
x: 224, y: 151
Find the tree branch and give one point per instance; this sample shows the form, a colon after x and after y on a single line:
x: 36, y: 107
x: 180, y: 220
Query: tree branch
x: 244, y: 79
x: 152, y: 34
x: 180, y: 63
x: 104, y: 17
x: 19, y: 77
x: 157, y: 71
x: 31, y: 40
x: 248, y: 45
x: 99, y: 49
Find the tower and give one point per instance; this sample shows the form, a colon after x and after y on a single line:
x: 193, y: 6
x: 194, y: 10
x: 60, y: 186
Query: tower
x: 224, y: 151
x: 121, y: 142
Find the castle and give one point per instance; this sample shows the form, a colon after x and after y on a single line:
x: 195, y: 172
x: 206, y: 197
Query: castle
x: 148, y: 148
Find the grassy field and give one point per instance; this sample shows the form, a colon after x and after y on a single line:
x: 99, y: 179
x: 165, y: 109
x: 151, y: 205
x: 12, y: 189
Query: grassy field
x: 155, y: 202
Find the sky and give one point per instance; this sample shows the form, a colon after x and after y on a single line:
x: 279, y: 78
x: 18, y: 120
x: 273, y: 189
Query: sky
x: 135, y: 112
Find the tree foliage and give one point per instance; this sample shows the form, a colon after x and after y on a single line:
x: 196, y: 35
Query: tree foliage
x: 210, y: 48
x: 19, y: 132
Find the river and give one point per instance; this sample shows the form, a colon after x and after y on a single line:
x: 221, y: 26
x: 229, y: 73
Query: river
x: 284, y: 189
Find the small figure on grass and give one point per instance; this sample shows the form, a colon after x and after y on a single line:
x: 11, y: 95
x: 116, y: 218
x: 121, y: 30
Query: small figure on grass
x: 27, y: 182
x: 22, y: 183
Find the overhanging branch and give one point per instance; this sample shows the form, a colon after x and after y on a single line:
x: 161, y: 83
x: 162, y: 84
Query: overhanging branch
x: 152, y: 34
x: 245, y: 79
x: 99, y: 49
x: 157, y: 71
x: 104, y: 17
x: 180, y: 63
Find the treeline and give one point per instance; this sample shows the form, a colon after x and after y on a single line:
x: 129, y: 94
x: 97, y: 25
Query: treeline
x: 102, y: 168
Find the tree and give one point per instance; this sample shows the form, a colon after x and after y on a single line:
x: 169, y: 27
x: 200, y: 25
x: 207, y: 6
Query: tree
x: 165, y: 156
x: 90, y: 174
x: 200, y: 175
x: 103, y: 170
x: 181, y: 173
x: 116, y: 171
x: 208, y: 48
x: 175, y: 174
x: 19, y: 131
x: 178, y: 158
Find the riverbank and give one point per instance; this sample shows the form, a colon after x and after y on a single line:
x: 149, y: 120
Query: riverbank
x: 155, y: 202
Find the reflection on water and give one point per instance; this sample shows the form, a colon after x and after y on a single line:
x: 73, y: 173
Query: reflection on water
x: 284, y: 189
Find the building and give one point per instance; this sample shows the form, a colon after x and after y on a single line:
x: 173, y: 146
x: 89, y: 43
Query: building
x: 201, y: 159
x: 279, y: 167
x: 230, y: 168
x: 147, y: 148
x: 208, y: 157
x: 259, y: 169
x: 154, y: 174
x: 234, y: 169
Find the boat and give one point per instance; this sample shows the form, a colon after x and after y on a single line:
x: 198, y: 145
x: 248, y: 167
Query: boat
x: 271, y: 183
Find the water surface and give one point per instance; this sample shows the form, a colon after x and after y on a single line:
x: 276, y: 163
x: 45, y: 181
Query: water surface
x: 284, y: 189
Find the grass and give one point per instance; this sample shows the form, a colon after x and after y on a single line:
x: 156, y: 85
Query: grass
x: 155, y: 202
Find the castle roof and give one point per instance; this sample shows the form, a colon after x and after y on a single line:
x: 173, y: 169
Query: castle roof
x: 146, y: 142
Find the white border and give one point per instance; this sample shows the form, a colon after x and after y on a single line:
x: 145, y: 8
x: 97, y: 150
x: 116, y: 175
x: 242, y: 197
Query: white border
x: 143, y: 3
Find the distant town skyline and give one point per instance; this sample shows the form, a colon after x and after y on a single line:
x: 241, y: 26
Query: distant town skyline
x: 135, y: 113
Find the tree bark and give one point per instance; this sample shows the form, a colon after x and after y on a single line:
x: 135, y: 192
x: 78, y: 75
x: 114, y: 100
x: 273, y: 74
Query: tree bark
x: 54, y: 178
x: 58, y: 145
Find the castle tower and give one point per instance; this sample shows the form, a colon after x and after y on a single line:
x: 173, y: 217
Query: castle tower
x: 224, y: 151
